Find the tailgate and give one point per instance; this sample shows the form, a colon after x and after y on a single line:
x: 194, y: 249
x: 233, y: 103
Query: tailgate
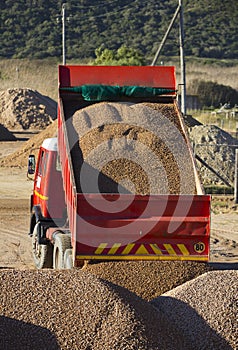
x: 155, y: 227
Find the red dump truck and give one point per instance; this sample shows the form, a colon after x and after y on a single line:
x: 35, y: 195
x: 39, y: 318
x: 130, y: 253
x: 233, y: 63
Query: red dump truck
x: 69, y: 226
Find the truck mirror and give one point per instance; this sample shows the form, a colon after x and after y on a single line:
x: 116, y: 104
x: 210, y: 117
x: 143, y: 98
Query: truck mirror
x: 31, y: 164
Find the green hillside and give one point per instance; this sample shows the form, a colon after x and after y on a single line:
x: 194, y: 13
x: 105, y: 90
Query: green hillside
x: 32, y: 28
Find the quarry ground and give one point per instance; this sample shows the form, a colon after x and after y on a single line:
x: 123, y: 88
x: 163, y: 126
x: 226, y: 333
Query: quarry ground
x: 15, y: 245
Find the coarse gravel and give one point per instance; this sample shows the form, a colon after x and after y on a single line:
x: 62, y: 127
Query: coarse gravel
x: 131, y: 148
x: 205, y: 310
x: 217, y: 148
x: 75, y: 310
x: 148, y: 279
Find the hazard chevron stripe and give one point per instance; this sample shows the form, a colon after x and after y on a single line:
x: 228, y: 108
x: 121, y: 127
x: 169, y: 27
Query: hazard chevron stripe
x: 183, y: 249
x: 100, y: 248
x: 142, y: 249
x: 128, y: 248
x: 114, y: 248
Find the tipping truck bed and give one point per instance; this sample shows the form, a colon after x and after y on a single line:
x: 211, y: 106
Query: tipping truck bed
x: 157, y: 225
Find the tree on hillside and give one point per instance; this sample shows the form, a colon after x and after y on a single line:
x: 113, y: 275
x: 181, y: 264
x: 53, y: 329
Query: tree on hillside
x: 123, y: 56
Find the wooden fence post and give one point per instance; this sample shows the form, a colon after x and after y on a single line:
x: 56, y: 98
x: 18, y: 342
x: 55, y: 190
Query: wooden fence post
x: 236, y: 178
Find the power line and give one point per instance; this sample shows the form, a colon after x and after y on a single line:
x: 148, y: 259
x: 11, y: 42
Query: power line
x: 97, y: 5
x: 105, y: 14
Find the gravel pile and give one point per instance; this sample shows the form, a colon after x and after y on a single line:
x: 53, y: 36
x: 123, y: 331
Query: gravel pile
x: 26, y: 109
x: 190, y: 121
x: 213, y: 145
x: 20, y: 157
x: 148, y: 279
x: 6, y: 135
x: 204, y: 310
x: 131, y: 148
x: 75, y: 310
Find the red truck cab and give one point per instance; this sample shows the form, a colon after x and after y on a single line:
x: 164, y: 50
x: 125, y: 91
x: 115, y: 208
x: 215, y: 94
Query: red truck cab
x: 47, y: 200
x: 48, y: 193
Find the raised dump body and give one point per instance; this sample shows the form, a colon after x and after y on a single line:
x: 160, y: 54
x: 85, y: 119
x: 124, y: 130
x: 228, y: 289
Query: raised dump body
x: 131, y: 187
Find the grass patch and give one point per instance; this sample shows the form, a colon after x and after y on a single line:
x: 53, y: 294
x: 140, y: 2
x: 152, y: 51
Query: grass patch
x: 223, y: 204
x: 42, y: 75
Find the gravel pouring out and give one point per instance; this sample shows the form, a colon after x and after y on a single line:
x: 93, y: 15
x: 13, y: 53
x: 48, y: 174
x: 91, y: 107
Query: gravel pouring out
x: 140, y: 147
x: 148, y: 279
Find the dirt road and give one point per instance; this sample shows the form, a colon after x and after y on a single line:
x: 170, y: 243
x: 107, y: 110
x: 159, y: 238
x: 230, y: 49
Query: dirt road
x: 15, y: 245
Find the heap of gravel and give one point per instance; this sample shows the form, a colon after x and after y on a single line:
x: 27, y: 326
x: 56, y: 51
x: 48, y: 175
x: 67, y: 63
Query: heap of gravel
x: 131, y: 148
x: 148, y: 279
x: 19, y: 158
x: 6, y: 135
x: 190, y: 121
x: 26, y: 109
x: 75, y: 310
x: 215, y: 147
x: 204, y: 310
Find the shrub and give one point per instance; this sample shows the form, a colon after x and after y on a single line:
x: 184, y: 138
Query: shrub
x: 213, y: 94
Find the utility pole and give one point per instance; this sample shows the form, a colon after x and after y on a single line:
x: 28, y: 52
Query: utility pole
x: 179, y: 11
x: 182, y: 61
x: 166, y: 36
x: 63, y: 33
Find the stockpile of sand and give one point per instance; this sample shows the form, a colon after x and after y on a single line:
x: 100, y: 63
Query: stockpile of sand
x: 148, y: 279
x: 138, y: 148
x: 6, y: 135
x: 20, y: 157
x: 75, y: 310
x: 26, y: 109
x: 216, y: 147
x: 204, y: 310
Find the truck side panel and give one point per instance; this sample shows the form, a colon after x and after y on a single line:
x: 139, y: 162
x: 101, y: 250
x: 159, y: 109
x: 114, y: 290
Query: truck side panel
x: 67, y: 173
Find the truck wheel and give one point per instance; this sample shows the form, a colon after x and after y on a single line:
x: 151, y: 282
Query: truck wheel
x: 42, y: 253
x: 68, y: 259
x: 62, y: 242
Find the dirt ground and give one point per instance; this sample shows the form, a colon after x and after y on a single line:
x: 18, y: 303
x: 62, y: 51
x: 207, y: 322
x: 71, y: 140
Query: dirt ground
x: 15, y: 245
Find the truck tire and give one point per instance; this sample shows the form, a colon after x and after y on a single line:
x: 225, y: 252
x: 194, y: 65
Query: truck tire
x: 68, y: 259
x: 42, y: 253
x: 62, y: 243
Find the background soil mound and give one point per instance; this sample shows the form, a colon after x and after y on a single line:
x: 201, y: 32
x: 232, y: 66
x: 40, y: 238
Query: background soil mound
x: 75, y: 310
x: 212, y: 145
x: 20, y: 157
x: 148, y: 279
x: 6, y: 135
x: 204, y: 310
x: 26, y: 109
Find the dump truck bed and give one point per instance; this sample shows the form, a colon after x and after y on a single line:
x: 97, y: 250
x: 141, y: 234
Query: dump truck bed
x: 126, y: 226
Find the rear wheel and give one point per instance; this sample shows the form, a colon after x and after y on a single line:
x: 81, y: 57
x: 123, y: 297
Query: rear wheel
x: 42, y: 253
x: 68, y: 259
x: 62, y: 243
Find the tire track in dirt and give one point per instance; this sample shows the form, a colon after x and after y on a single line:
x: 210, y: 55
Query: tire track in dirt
x: 15, y: 246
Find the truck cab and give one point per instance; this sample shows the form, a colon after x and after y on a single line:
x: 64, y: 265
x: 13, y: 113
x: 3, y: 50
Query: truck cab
x: 48, y: 195
x: 47, y: 200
